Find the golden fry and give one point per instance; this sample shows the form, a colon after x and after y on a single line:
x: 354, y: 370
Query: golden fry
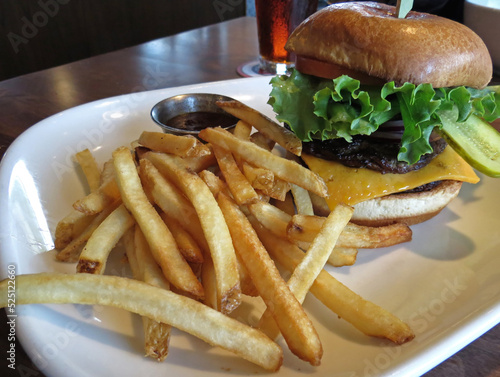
x: 312, y: 263
x: 214, y: 183
x: 184, y: 146
x: 296, y: 327
x: 302, y: 200
x: 104, y: 238
x: 70, y: 227
x: 241, y: 190
x: 160, y: 240
x: 271, y: 217
x: 319, y: 204
x: 279, y: 189
x: 156, y: 303
x: 156, y: 334
x: 259, y: 178
x: 304, y: 228
x: 287, y: 205
x: 272, y: 130
x: 242, y: 130
x: 97, y: 200
x: 89, y: 168
x: 366, y: 316
x: 214, y: 227
x: 343, y: 256
x: 262, y: 141
x: 71, y: 251
x: 171, y: 200
x: 282, y: 168
x: 185, y: 242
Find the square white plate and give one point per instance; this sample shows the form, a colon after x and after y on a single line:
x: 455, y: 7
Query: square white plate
x: 445, y: 283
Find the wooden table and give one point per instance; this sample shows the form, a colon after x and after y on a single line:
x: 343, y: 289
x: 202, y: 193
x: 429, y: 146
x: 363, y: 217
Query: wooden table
x: 207, y: 54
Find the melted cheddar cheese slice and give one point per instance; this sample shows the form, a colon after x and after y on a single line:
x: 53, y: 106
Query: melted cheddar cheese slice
x: 352, y: 185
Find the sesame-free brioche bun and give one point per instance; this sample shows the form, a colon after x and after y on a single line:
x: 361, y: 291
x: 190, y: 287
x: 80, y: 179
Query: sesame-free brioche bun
x: 369, y: 38
x: 407, y: 208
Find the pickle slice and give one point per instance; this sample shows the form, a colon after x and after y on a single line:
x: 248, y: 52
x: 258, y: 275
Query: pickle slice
x: 475, y: 140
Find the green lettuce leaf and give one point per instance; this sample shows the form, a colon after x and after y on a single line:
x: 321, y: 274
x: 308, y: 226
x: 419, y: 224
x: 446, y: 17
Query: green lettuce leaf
x: 323, y: 109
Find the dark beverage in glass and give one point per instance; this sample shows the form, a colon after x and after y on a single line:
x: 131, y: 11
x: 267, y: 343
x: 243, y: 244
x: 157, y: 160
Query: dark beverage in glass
x: 276, y: 19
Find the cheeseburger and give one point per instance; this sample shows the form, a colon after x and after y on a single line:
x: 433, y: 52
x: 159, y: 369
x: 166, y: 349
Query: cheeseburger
x: 393, y: 112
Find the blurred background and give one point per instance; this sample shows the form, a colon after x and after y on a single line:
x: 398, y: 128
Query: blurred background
x: 38, y: 34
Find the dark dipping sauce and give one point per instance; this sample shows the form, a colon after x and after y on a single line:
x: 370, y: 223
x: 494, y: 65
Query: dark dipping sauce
x: 198, y: 120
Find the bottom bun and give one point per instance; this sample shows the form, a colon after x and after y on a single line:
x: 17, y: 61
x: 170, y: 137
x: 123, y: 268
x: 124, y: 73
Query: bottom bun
x: 407, y: 208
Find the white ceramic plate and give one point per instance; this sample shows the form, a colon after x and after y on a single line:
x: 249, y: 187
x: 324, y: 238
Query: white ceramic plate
x: 445, y: 283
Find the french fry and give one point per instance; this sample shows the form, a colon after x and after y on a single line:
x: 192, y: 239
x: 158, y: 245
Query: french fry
x: 271, y: 217
x: 185, y: 242
x: 241, y: 190
x: 302, y: 200
x: 93, y: 203
x: 286, y: 138
x: 242, y: 130
x: 216, y: 186
x: 156, y: 303
x: 287, y: 205
x: 259, y: 178
x: 109, y: 187
x: 279, y: 189
x: 343, y: 256
x: 156, y: 334
x: 184, y: 146
x: 282, y: 168
x: 297, y: 329
x: 366, y: 316
x: 170, y: 199
x: 312, y: 263
x: 262, y: 141
x: 97, y: 200
x: 214, y: 183
x: 108, y: 172
x: 129, y: 245
x: 144, y: 268
x: 197, y: 164
x: 89, y: 168
x: 319, y: 205
x: 160, y: 240
x: 166, y: 195
x: 304, y: 228
x: 71, y: 252
x: 209, y: 281
x: 212, y: 222
x: 70, y: 227
x: 247, y: 286
x: 104, y: 238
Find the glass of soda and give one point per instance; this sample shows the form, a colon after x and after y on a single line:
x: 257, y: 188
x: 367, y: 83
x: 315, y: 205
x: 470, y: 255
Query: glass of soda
x: 276, y: 19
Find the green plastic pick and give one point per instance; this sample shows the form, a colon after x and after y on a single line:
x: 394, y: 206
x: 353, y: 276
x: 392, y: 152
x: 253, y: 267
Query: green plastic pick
x: 403, y: 7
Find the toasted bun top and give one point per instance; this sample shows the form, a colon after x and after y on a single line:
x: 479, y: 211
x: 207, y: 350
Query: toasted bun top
x: 421, y: 48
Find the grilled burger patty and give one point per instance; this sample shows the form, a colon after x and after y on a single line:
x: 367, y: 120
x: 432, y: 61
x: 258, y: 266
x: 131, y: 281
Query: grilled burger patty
x: 367, y: 152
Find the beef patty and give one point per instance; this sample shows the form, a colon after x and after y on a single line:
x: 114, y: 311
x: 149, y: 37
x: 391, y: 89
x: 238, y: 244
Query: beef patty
x: 367, y: 152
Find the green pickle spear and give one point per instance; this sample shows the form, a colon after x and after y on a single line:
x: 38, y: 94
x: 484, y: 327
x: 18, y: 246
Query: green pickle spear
x: 475, y: 140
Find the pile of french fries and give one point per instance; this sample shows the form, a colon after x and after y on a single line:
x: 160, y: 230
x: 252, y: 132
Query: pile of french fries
x: 203, y: 223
